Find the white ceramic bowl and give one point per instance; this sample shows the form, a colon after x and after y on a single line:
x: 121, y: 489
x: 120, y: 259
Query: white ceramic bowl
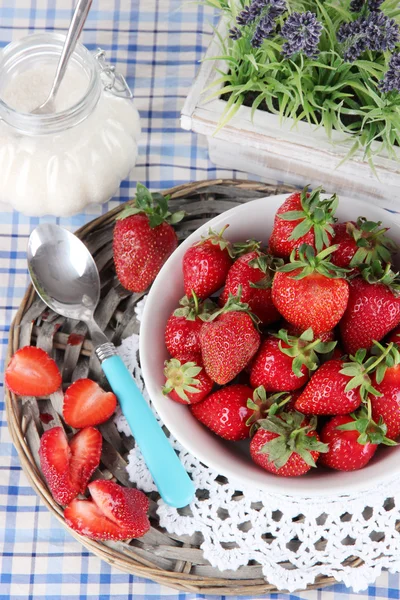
x: 251, y: 220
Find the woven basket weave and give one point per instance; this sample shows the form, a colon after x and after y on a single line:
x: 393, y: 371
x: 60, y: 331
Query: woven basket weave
x: 172, y: 560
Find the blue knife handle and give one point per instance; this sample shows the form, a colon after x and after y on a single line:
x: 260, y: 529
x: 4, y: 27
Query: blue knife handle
x: 173, y: 483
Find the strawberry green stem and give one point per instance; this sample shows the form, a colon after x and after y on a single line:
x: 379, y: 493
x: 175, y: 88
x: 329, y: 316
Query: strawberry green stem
x: 371, y: 368
x: 196, y: 302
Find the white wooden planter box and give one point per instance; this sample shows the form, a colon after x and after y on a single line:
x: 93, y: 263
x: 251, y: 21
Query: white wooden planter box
x: 299, y: 154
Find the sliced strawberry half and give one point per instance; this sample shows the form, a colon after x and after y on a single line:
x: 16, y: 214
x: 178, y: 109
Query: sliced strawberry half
x: 85, y: 448
x: 31, y: 372
x: 124, y: 506
x: 113, y: 513
x: 55, y: 456
x: 68, y: 467
x: 86, y: 404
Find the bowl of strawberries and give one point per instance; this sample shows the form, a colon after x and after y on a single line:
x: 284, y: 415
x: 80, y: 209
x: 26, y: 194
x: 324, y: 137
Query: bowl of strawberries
x: 269, y: 344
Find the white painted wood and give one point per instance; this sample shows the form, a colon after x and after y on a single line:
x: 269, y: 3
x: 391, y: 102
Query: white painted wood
x: 294, y: 153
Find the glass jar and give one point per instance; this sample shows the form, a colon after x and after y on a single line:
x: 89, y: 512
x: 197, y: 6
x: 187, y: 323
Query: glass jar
x: 59, y: 163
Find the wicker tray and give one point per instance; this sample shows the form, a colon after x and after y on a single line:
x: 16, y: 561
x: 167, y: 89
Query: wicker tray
x: 172, y: 560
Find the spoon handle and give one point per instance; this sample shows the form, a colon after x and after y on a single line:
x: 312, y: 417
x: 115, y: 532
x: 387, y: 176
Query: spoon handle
x: 173, y: 483
x: 74, y: 31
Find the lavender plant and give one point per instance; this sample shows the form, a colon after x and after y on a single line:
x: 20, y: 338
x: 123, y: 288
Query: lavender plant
x: 333, y: 63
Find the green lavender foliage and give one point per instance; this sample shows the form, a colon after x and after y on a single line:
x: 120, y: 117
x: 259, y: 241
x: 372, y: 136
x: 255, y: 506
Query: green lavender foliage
x: 326, y: 91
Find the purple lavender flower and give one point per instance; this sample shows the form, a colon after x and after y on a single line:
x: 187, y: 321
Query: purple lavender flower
x: 391, y: 79
x: 374, y: 5
x: 235, y: 33
x: 302, y: 32
x: 352, y: 35
x: 264, y: 29
x: 375, y: 32
x: 267, y: 24
x: 356, y: 6
x: 381, y: 32
x: 245, y: 17
x: 263, y: 13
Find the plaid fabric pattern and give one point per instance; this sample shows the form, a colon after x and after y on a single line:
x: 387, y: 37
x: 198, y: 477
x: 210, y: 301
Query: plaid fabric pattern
x: 157, y: 45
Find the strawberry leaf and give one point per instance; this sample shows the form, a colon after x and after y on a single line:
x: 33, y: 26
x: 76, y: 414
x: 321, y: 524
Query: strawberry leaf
x: 181, y: 378
x: 370, y: 431
x: 292, y: 437
x: 292, y: 215
x: 316, y: 214
x: 128, y: 211
x: 190, y: 308
x: 177, y: 217
x: 155, y: 220
x: 143, y: 199
x: 154, y: 205
x: 300, y: 230
x: 308, y: 262
x: 303, y: 349
x: 241, y: 248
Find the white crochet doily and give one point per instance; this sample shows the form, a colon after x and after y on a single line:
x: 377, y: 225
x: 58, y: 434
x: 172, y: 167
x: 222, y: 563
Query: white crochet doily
x: 294, y: 539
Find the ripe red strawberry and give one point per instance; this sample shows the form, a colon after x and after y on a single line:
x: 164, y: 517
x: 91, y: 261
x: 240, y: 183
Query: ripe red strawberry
x: 31, y: 372
x: 386, y: 380
x: 86, y: 404
x: 186, y: 383
x: 337, y: 387
x: 352, y: 441
x: 286, y: 444
x: 361, y: 242
x: 113, y: 513
x: 228, y: 341
x: 206, y: 264
x: 310, y: 291
x: 252, y: 273
x: 143, y: 239
x: 283, y: 362
x: 182, y: 333
x: 68, y: 467
x: 225, y: 412
x: 303, y: 219
x: 373, y: 308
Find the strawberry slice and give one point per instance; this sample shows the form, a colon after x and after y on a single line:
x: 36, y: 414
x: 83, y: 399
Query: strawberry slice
x: 85, y: 448
x: 31, y: 372
x: 86, y: 518
x: 86, y: 404
x: 55, y: 456
x: 124, y: 506
x: 68, y: 467
x: 113, y: 513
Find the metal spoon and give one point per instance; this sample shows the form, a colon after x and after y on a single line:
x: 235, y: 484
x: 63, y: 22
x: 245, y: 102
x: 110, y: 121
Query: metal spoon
x: 65, y: 276
x: 74, y: 31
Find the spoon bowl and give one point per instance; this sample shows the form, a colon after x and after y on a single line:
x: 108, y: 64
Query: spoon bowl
x: 63, y: 272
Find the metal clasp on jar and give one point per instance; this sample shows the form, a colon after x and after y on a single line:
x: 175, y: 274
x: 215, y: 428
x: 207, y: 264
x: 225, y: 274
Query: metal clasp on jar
x: 113, y: 82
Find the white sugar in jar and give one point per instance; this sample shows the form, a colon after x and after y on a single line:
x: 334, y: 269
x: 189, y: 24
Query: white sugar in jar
x: 59, y: 163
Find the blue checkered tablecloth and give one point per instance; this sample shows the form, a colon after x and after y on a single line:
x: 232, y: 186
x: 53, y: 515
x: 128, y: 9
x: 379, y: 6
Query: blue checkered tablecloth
x: 157, y: 44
